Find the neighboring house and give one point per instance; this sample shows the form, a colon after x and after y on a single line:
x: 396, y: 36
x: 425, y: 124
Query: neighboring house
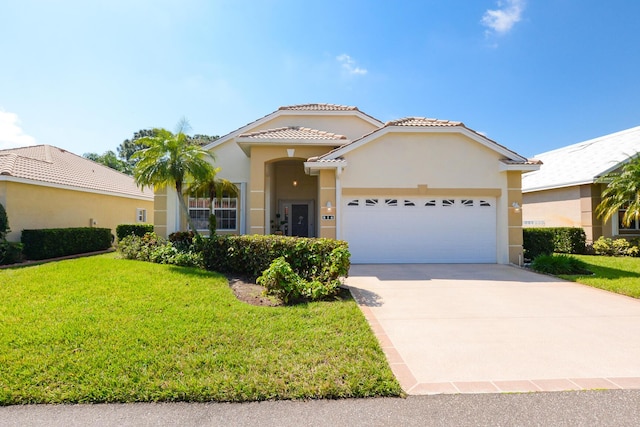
x: 409, y: 191
x: 47, y: 187
x: 564, y: 192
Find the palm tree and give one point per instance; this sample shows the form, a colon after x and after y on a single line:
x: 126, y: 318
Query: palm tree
x: 622, y: 192
x: 214, y: 188
x: 171, y: 159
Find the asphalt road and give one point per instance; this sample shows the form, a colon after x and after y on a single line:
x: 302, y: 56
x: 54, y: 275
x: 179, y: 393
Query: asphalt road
x: 584, y: 408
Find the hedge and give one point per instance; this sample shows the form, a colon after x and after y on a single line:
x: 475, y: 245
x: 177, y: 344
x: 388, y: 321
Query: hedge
x: 250, y: 255
x: 124, y: 230
x: 545, y: 241
x: 57, y: 242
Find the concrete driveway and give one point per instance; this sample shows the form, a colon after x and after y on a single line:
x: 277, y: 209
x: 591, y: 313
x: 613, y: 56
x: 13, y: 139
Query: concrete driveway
x: 486, y: 328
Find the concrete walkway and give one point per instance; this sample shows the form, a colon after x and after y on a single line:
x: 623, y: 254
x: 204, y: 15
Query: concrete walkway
x: 496, y: 328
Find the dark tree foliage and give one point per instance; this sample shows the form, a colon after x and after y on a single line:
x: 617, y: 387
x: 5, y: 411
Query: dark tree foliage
x: 109, y: 159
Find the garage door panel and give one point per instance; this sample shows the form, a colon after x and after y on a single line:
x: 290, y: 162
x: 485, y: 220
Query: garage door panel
x: 442, y: 233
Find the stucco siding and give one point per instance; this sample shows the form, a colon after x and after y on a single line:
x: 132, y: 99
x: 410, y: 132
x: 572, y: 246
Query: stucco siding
x: 435, y: 160
x: 559, y: 207
x: 36, y: 207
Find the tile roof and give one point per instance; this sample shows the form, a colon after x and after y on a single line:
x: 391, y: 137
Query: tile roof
x: 48, y: 164
x: 319, y: 107
x: 292, y: 132
x: 422, y: 121
x: 584, y: 162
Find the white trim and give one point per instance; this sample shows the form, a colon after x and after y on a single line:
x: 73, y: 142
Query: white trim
x: 7, y: 178
x: 518, y: 167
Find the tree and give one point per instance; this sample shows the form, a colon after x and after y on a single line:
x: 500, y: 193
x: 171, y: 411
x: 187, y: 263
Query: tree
x: 172, y: 159
x: 622, y: 192
x: 129, y: 147
x: 214, y: 188
x: 110, y: 160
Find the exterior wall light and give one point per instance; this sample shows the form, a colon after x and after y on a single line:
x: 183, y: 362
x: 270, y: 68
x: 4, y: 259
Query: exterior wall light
x: 516, y: 206
x: 328, y: 206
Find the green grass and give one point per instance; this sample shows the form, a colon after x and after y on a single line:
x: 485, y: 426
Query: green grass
x: 615, y: 274
x: 103, y: 329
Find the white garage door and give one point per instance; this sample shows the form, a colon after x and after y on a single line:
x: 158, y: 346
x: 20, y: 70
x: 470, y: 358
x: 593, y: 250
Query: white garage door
x: 420, y: 230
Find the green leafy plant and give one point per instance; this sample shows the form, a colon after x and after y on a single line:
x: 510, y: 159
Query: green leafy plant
x: 57, y: 242
x: 282, y: 282
x: 4, y: 222
x: 617, y: 247
x: 123, y: 230
x: 559, y: 264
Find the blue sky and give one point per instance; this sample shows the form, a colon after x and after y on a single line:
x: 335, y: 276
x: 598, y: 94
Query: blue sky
x: 533, y: 75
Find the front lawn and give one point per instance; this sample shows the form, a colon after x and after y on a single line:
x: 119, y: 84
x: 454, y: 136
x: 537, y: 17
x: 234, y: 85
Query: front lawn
x: 615, y: 274
x: 103, y: 329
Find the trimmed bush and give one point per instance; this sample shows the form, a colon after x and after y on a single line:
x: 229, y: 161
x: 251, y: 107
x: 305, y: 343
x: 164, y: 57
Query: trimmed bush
x: 123, y: 230
x: 559, y: 264
x: 324, y: 260
x: 545, y: 241
x: 537, y: 241
x: 10, y: 252
x: 281, y: 281
x: 569, y: 240
x: 58, y: 242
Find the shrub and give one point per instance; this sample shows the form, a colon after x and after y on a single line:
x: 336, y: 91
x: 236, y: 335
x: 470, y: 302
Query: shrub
x: 617, y: 247
x: 4, y: 222
x: 182, y: 239
x: 537, y: 241
x: 10, y: 252
x: 311, y: 258
x: 123, y: 230
x: 57, y: 242
x: 154, y: 248
x: 281, y: 281
x: 569, y: 240
x: 559, y: 264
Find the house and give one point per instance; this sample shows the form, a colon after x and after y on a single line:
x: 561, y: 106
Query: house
x: 47, y: 187
x: 408, y: 191
x: 564, y: 192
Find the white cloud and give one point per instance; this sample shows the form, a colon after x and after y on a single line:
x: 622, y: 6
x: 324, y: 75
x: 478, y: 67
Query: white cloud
x: 501, y: 20
x: 11, y: 134
x: 349, y: 65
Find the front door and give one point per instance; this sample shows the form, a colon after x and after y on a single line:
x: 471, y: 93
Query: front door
x: 299, y: 217
x: 300, y: 220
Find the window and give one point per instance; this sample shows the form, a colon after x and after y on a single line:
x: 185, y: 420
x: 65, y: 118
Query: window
x: 141, y: 215
x: 226, y: 211
x: 371, y: 202
x: 199, y: 211
x: 448, y: 202
x: 355, y: 202
x: 484, y: 203
x: 467, y: 202
x: 409, y: 203
x: 633, y: 225
x: 430, y: 203
x: 391, y: 202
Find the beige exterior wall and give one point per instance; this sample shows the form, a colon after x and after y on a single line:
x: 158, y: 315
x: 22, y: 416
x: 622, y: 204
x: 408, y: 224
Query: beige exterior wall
x: 559, y: 207
x: 514, y: 191
x: 327, y: 193
x: 398, y: 159
x: 35, y: 207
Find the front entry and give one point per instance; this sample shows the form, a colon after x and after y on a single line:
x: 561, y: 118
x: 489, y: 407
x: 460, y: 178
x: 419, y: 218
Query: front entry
x: 299, y: 217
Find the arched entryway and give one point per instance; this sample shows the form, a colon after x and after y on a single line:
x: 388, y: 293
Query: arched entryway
x: 291, y: 198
